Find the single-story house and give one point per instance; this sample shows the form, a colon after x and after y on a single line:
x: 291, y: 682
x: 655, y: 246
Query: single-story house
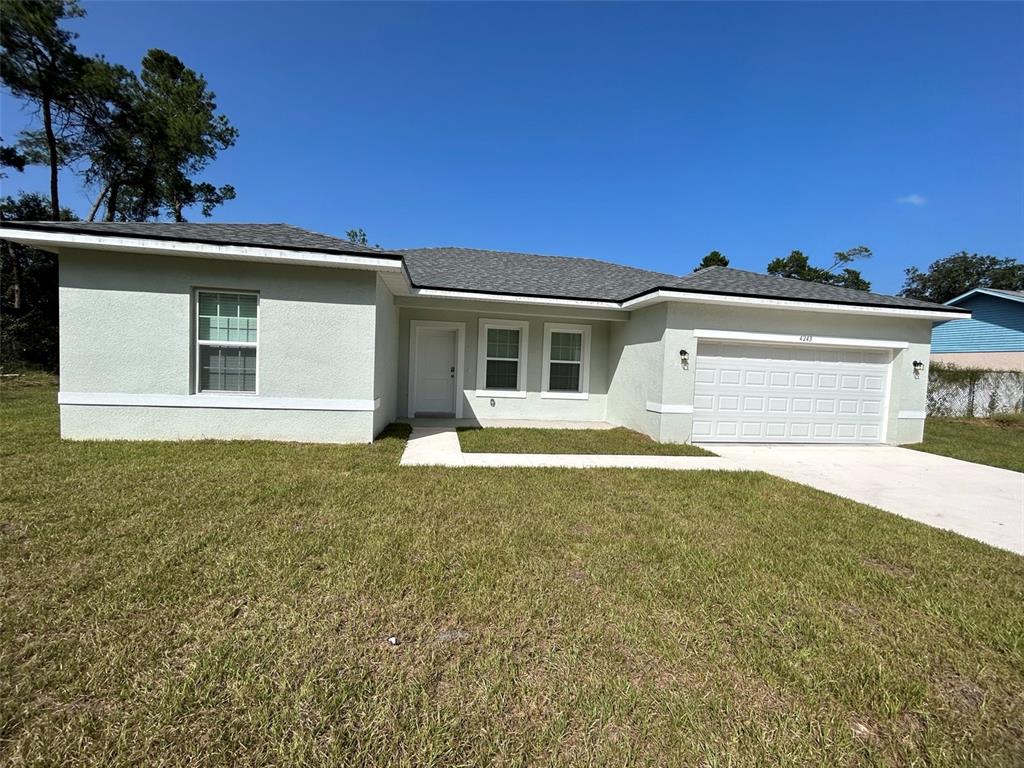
x: 268, y: 331
x: 992, y: 338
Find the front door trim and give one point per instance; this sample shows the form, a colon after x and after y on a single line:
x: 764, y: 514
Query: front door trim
x: 415, y: 326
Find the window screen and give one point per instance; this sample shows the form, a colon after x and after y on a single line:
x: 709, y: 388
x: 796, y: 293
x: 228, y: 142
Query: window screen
x: 226, y: 334
x: 566, y: 361
x: 502, y: 358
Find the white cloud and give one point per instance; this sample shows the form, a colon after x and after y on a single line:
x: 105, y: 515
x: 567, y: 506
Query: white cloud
x: 917, y: 200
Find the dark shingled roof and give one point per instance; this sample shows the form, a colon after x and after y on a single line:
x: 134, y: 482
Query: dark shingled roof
x: 468, y: 269
x: 283, y: 236
x: 725, y: 280
x: 497, y: 272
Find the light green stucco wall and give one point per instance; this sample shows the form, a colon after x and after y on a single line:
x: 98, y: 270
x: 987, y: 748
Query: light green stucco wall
x: 533, y: 406
x: 385, y: 370
x: 636, y: 370
x: 126, y: 327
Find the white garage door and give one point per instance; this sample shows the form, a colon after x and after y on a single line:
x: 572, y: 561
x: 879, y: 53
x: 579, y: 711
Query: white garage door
x: 789, y: 394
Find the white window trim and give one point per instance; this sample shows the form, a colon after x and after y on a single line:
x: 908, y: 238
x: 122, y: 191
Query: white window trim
x: 415, y: 326
x: 523, y: 327
x: 198, y: 343
x: 584, y: 393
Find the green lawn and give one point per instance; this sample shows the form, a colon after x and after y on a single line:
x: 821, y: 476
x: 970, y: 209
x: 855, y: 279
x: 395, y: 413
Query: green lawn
x: 998, y: 442
x: 224, y: 604
x: 589, y: 441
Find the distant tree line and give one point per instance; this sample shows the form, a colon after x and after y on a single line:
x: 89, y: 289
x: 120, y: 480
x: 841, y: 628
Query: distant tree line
x: 944, y: 279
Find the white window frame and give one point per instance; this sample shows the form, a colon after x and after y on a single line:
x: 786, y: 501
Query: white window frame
x: 584, y: 391
x: 523, y: 327
x: 199, y: 343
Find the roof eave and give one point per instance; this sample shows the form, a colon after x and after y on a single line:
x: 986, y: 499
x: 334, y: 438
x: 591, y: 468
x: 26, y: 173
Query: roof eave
x: 986, y: 291
x: 658, y: 295
x: 55, y: 241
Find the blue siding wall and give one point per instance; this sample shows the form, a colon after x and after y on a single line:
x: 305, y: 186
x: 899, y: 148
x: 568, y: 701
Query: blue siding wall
x: 997, y: 326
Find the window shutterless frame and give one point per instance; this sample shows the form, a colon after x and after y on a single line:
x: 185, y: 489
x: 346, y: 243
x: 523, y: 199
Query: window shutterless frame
x: 523, y: 327
x: 583, y: 392
x: 200, y: 343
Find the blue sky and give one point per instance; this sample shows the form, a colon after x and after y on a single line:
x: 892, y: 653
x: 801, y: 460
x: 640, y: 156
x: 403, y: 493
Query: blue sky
x: 644, y: 134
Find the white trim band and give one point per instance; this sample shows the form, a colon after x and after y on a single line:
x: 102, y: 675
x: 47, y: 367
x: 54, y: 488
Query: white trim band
x: 911, y: 415
x: 558, y: 395
x: 250, y: 402
x: 200, y: 250
x: 513, y: 299
x: 806, y: 306
x: 512, y: 394
x: 790, y: 338
x: 668, y: 408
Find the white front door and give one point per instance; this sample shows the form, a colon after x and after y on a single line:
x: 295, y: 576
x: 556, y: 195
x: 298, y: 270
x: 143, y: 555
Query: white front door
x: 436, y: 359
x: 788, y: 394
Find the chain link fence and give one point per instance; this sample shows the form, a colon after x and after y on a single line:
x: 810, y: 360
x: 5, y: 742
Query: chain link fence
x: 954, y: 391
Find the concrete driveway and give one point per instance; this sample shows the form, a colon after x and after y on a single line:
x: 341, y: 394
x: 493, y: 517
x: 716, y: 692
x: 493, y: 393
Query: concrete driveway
x: 984, y: 503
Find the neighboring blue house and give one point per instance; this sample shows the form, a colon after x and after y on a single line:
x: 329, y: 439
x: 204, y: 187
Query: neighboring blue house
x: 992, y: 338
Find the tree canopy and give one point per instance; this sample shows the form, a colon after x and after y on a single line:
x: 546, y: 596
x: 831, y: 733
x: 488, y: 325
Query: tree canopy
x: 162, y: 129
x: 713, y: 259
x: 797, y: 265
x: 41, y: 66
x: 142, y: 140
x: 954, y: 275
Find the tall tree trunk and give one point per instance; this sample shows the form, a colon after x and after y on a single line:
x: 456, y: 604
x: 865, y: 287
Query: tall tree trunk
x: 99, y: 199
x: 112, y: 201
x: 51, y: 147
x: 16, y: 277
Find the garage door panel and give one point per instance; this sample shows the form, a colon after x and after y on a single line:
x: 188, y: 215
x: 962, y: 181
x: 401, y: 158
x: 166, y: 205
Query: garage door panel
x: 759, y: 393
x: 705, y: 375
x: 803, y: 380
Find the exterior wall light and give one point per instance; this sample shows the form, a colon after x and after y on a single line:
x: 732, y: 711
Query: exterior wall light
x: 684, y: 358
x: 918, y: 367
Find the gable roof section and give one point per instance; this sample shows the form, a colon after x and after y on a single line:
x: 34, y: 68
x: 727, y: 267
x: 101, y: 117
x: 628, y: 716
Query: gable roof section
x: 282, y: 236
x: 999, y: 293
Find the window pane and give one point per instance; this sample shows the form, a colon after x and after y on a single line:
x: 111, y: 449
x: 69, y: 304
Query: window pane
x: 227, y: 369
x: 227, y: 317
x: 565, y: 377
x: 503, y: 342
x: 566, y: 346
x: 502, y: 374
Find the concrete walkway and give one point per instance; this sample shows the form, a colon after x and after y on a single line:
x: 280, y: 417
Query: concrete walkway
x: 974, y: 500
x: 439, y: 446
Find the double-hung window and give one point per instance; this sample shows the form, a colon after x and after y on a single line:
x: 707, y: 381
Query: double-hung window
x: 501, y: 370
x: 566, y: 361
x: 226, y: 333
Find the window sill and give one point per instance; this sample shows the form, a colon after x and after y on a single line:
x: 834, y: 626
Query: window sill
x: 498, y: 393
x: 565, y: 395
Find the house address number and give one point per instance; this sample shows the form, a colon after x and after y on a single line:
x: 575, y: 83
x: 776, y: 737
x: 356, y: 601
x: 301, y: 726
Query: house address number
x: 806, y: 338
